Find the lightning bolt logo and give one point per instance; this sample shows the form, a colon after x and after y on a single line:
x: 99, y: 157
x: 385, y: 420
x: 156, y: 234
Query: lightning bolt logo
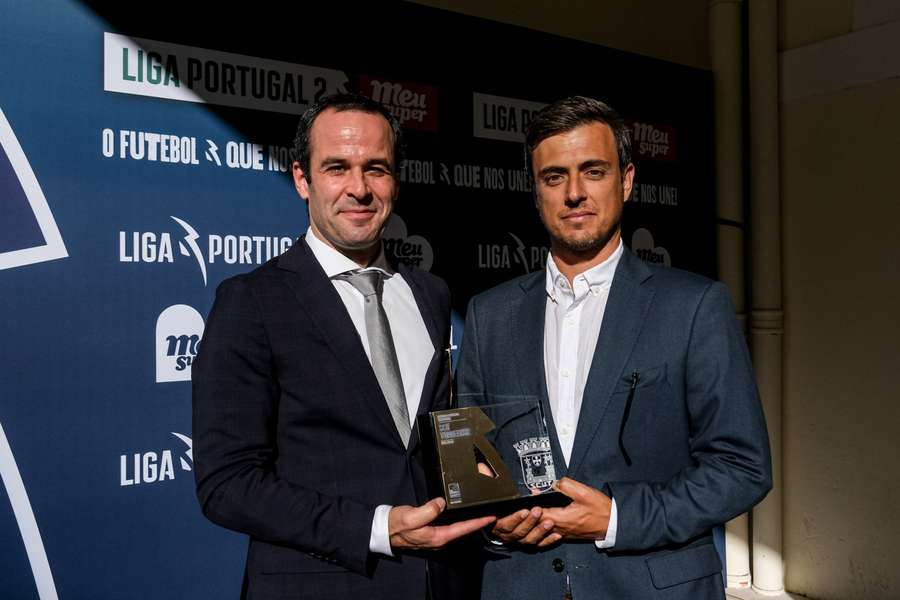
x: 191, y: 240
x: 185, y: 465
x: 445, y: 174
x: 520, y: 251
x: 212, y: 153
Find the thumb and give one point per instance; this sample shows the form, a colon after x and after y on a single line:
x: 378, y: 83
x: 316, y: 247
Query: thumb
x: 425, y: 514
x: 570, y: 487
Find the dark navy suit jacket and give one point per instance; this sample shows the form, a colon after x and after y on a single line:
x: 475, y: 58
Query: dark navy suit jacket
x: 293, y: 440
x: 695, y: 432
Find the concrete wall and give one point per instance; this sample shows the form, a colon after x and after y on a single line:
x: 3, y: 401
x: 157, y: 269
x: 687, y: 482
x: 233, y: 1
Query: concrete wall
x: 840, y: 128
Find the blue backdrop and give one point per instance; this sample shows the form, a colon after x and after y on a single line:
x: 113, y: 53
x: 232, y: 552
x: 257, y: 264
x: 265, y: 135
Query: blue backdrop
x: 143, y: 162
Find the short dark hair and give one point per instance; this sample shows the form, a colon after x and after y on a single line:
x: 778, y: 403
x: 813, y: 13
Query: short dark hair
x: 342, y: 103
x: 567, y: 114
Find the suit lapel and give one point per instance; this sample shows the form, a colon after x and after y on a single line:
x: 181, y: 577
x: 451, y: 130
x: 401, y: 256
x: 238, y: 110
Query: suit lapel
x: 526, y: 322
x: 623, y: 318
x: 318, y: 298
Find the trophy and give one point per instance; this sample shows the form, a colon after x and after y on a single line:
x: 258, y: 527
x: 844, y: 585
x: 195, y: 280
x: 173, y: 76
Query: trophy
x: 489, y: 459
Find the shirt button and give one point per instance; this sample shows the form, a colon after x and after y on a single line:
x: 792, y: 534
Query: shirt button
x: 565, y: 373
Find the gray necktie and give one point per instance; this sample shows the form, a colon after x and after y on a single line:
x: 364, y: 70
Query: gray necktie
x: 381, y: 347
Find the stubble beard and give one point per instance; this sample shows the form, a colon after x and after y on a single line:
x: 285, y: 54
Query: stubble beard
x: 586, y: 245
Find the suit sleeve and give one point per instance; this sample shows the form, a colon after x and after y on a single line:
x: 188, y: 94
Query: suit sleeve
x: 731, y: 468
x: 235, y: 420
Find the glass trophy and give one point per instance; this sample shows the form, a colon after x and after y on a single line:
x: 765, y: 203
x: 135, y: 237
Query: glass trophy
x: 489, y: 460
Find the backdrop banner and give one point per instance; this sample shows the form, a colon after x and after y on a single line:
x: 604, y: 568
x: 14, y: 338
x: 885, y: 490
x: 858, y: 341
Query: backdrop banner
x: 144, y: 158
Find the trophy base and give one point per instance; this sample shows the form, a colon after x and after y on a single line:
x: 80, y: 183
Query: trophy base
x: 500, y: 508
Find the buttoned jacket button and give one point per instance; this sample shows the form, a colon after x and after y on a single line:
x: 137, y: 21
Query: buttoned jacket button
x: 558, y: 565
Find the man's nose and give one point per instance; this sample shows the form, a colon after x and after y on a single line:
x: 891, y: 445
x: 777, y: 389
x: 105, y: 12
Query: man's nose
x: 575, y: 192
x: 357, y: 186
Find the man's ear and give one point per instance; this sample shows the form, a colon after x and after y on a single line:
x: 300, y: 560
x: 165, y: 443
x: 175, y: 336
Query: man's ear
x: 301, y: 183
x: 628, y: 181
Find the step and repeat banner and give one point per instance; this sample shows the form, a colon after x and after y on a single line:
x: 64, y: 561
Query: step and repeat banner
x: 144, y: 159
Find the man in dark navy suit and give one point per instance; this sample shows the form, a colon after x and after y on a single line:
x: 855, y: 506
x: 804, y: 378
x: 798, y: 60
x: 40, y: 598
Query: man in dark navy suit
x: 645, y: 381
x: 312, y: 370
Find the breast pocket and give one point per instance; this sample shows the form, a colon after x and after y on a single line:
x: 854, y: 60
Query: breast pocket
x: 641, y: 401
x: 646, y: 377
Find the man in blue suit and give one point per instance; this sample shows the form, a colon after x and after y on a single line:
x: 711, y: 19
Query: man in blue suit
x: 645, y: 381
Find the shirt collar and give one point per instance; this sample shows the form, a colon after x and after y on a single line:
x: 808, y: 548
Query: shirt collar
x: 596, y: 278
x: 334, y: 263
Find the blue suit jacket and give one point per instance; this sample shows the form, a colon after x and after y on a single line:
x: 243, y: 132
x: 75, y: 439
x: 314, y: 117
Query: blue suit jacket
x: 294, y: 444
x: 695, y: 432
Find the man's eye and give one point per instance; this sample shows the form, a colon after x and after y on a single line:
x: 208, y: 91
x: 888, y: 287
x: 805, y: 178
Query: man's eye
x: 553, y: 179
x: 377, y: 171
x: 335, y: 169
x: 596, y: 173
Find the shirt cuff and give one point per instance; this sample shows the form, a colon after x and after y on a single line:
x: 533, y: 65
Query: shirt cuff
x: 490, y: 539
x: 610, y: 540
x: 380, y: 538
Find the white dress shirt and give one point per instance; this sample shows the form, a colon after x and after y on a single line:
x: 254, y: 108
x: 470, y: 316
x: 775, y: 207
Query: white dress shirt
x: 572, y: 322
x: 411, y: 340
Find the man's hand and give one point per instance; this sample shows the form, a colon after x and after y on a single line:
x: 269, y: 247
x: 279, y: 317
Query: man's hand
x: 526, y: 527
x: 587, y: 517
x: 410, y: 529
